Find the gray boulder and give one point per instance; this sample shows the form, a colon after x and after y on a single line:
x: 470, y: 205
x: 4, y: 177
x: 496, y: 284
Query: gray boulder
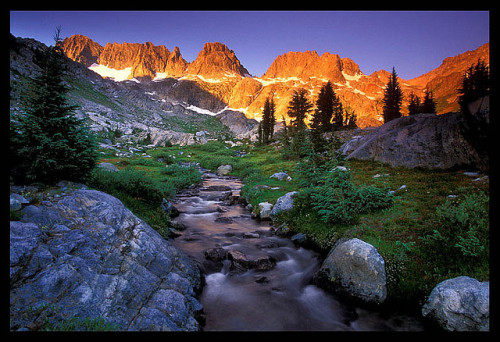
x: 421, y: 140
x: 17, y: 201
x: 265, y: 210
x: 88, y: 256
x: 354, y: 268
x: 108, y: 167
x: 224, y: 170
x: 281, y: 176
x: 284, y: 203
x: 460, y: 304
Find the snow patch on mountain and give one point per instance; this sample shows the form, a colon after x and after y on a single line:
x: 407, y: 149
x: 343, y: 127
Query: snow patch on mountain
x: 116, y: 75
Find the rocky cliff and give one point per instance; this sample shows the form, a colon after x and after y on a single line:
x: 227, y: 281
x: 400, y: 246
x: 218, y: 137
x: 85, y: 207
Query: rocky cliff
x: 217, y: 71
x: 167, y: 108
x: 144, y: 60
x: 216, y: 61
x: 446, y: 79
x: 84, y: 255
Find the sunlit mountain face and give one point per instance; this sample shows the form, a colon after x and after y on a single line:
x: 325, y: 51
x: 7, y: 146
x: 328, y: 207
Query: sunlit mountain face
x: 218, y: 71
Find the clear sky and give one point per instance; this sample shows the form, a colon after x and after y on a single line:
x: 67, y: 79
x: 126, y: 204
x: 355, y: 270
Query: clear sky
x: 414, y: 42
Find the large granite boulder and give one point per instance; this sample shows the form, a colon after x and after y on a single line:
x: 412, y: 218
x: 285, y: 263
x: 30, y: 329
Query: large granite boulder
x: 284, y: 203
x: 421, y: 140
x: 356, y: 269
x: 85, y: 255
x: 460, y: 304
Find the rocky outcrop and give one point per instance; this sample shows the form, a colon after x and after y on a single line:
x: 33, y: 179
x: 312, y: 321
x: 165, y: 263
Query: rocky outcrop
x: 460, y: 304
x: 265, y: 210
x: 217, y: 61
x: 84, y: 255
x: 422, y: 140
x: 82, y: 49
x: 224, y: 169
x: 218, y: 71
x: 304, y: 65
x: 447, y: 78
x: 356, y: 269
x: 238, y: 123
x: 145, y: 60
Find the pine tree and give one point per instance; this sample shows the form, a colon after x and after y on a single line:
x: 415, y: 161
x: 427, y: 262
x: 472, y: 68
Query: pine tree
x: 268, y: 121
x: 393, y: 97
x: 475, y: 126
x: 414, y: 104
x: 272, y: 118
x: 49, y: 142
x: 323, y: 114
x: 298, y: 108
x: 475, y: 84
x: 428, y: 105
x: 259, y: 133
x: 350, y: 119
x: 338, y: 113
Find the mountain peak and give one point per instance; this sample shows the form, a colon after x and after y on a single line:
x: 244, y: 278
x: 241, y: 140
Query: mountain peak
x: 144, y: 59
x: 81, y: 49
x: 216, y: 60
x: 305, y: 65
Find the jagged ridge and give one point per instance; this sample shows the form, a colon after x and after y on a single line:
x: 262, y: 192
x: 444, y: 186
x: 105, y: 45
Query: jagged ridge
x: 217, y: 71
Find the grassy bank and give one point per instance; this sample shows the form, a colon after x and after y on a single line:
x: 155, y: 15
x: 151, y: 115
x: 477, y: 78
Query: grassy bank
x: 435, y: 228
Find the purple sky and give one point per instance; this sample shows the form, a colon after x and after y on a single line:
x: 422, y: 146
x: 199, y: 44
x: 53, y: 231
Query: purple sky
x: 414, y: 42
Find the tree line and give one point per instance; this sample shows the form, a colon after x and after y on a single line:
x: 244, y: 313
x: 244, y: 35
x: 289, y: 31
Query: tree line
x: 330, y: 115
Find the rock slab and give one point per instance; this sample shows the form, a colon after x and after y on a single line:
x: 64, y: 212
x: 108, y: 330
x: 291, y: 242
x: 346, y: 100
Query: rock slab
x: 88, y: 256
x: 422, y: 140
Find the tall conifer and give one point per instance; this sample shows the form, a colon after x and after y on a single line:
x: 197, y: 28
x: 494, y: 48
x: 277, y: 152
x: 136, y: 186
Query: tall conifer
x: 393, y: 97
x: 268, y: 121
x: 298, y: 108
x: 49, y: 142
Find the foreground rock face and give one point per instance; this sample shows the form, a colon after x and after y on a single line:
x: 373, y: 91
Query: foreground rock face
x: 354, y: 268
x: 460, y: 304
x: 422, y: 140
x: 88, y: 256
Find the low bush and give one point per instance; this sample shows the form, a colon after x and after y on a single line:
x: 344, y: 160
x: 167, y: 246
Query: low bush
x: 181, y: 176
x: 131, y: 182
x: 328, y: 190
x: 461, y: 235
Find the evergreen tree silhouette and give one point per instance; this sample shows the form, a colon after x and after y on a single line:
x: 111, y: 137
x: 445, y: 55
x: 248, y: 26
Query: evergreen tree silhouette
x: 393, y: 97
x: 49, y: 142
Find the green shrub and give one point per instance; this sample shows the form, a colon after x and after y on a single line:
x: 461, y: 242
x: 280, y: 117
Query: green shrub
x: 462, y: 232
x: 181, y: 176
x: 331, y: 193
x: 134, y: 183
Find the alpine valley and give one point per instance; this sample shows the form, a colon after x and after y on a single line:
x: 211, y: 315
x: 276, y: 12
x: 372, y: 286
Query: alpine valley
x: 140, y: 87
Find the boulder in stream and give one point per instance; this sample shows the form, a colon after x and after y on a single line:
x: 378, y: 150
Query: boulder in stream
x: 241, y: 263
x: 356, y: 269
x: 265, y: 210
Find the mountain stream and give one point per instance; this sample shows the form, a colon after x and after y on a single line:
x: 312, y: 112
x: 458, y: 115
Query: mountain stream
x: 256, y: 280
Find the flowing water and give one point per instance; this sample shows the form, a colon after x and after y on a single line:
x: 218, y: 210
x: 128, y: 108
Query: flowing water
x: 277, y: 295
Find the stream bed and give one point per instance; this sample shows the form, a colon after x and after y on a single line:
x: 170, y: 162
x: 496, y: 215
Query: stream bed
x: 257, y: 281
